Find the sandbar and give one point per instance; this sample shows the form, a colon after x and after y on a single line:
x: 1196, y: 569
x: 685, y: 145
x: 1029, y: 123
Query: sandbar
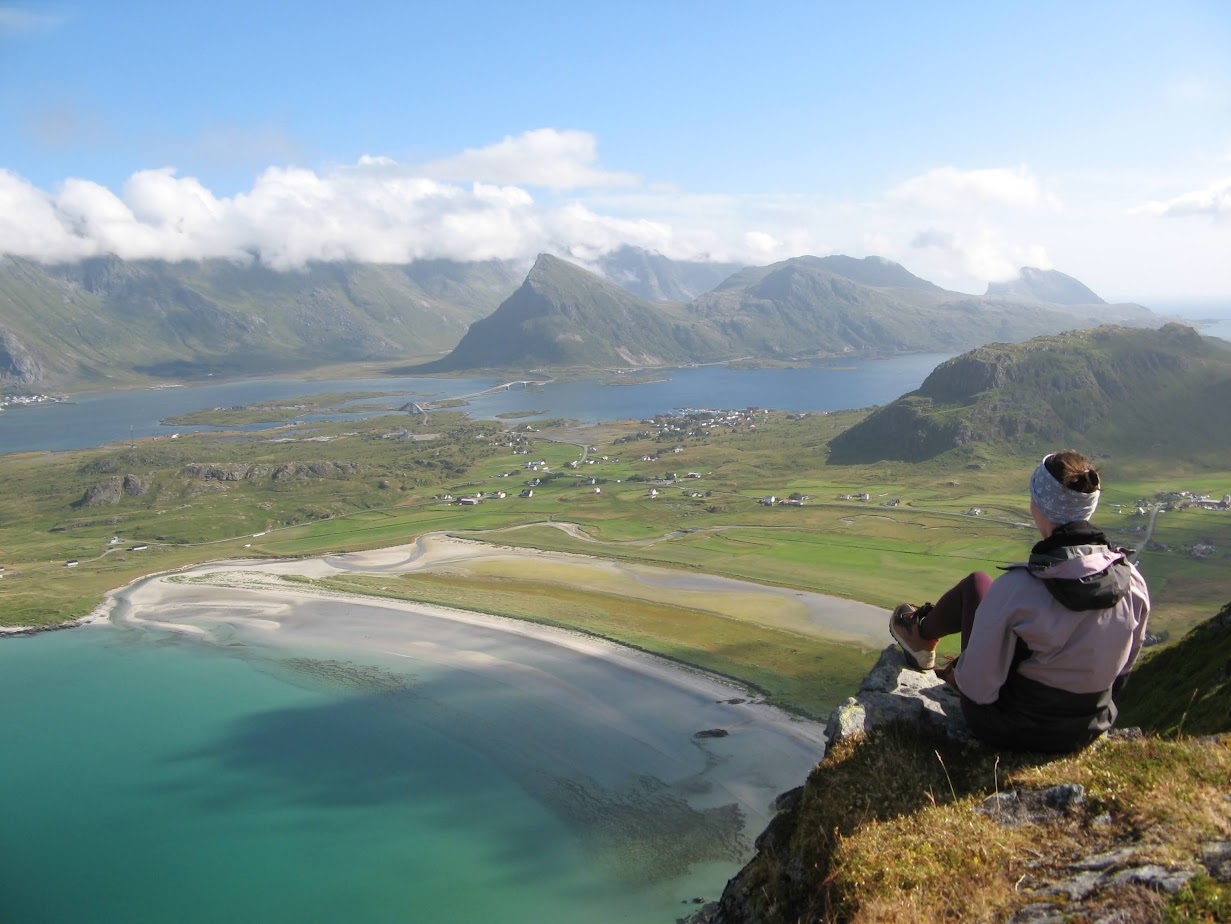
x: 599, y: 732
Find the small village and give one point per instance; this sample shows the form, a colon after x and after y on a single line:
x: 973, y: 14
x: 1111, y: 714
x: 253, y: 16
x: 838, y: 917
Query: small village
x: 7, y: 401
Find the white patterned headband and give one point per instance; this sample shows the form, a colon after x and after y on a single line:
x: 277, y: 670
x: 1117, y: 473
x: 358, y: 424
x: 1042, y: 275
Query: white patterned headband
x: 1056, y: 502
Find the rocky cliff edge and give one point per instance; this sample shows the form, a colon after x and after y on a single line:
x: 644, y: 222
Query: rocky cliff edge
x: 909, y: 819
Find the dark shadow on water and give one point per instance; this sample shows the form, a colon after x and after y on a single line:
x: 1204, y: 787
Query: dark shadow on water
x: 389, y: 741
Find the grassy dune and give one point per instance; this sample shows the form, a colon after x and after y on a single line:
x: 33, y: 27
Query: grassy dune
x: 802, y: 673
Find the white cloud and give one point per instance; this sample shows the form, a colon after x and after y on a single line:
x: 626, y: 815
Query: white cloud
x: 759, y: 242
x: 979, y: 253
x: 30, y: 224
x: 543, y: 157
x: 951, y: 189
x: 374, y: 210
x: 377, y: 210
x: 1214, y: 200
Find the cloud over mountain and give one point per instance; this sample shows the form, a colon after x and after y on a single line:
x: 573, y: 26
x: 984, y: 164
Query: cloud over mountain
x: 543, y: 157
x: 368, y: 212
x: 546, y: 190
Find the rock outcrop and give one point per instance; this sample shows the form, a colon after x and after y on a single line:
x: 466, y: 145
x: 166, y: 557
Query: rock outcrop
x: 134, y: 486
x: 104, y: 494
x: 17, y: 362
x: 891, y: 692
x: 208, y: 471
x: 1101, y: 869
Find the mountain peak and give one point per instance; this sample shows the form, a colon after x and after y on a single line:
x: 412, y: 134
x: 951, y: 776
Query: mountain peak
x: 1042, y: 285
x: 877, y: 272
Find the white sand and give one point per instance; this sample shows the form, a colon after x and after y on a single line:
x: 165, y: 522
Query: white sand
x: 542, y: 697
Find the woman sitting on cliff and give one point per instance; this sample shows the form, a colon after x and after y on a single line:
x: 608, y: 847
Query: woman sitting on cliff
x: 1046, y: 646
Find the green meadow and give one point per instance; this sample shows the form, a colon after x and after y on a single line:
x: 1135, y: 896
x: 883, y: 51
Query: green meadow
x: 301, y: 491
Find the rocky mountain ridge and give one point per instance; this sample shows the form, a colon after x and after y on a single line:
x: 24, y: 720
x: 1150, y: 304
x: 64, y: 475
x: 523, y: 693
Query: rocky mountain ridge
x: 107, y: 321
x: 799, y: 308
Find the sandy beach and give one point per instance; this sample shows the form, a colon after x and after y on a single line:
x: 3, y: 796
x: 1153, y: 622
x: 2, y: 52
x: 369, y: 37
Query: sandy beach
x: 605, y: 735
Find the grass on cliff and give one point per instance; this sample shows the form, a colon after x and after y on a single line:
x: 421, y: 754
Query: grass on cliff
x: 889, y: 827
x: 1184, y: 688
x: 887, y: 830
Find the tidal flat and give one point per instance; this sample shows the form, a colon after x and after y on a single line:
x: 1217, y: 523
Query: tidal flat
x: 476, y: 766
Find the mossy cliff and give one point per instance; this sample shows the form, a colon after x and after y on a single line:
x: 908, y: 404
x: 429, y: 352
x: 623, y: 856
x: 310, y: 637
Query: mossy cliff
x: 907, y: 819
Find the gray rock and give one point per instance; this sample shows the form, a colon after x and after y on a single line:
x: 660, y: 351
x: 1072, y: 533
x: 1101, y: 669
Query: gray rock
x: 1111, y: 859
x: 134, y: 486
x: 998, y: 803
x: 1076, y: 887
x: 1216, y: 858
x: 1014, y: 809
x: 1119, y: 916
x: 1038, y: 913
x: 894, y: 691
x: 210, y: 472
x: 1154, y: 877
x: 104, y: 494
x: 1065, y: 796
x: 17, y: 362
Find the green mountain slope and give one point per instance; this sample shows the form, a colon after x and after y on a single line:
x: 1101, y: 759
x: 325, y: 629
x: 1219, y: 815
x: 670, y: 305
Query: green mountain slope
x: 1184, y: 688
x: 839, y: 304
x: 107, y: 318
x: 806, y: 306
x: 1110, y: 389
x: 565, y: 316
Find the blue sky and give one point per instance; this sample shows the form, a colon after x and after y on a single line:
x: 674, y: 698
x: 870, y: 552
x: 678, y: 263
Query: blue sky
x: 961, y: 139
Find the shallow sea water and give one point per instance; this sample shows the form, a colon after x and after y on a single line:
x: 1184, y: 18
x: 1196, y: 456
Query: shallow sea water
x: 154, y: 777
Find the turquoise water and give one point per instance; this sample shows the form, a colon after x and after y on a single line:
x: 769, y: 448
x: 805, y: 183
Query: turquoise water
x: 157, y: 779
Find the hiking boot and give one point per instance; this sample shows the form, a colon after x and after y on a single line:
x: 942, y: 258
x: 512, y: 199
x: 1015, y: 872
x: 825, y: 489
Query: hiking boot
x: 904, y: 626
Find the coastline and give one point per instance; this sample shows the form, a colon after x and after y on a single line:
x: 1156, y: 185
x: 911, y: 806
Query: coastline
x: 252, y: 597
x: 655, y: 777
x: 603, y: 717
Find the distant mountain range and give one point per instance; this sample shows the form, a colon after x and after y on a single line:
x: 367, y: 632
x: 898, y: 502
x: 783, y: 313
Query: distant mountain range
x: 107, y: 320
x: 1109, y: 389
x: 564, y: 316
x: 101, y: 319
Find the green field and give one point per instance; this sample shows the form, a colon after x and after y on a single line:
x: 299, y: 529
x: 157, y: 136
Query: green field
x: 378, y: 482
